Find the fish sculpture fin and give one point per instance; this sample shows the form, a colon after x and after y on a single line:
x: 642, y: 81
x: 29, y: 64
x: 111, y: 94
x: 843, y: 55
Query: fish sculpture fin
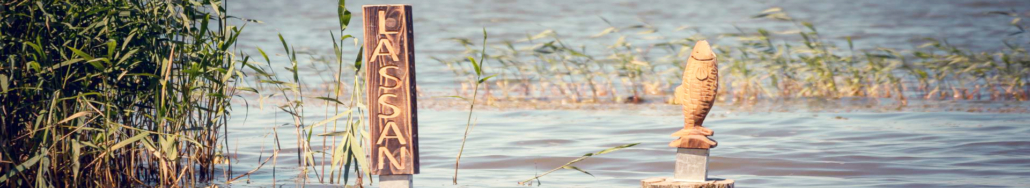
x: 702, y: 72
x: 680, y: 96
x: 694, y: 142
x: 694, y: 131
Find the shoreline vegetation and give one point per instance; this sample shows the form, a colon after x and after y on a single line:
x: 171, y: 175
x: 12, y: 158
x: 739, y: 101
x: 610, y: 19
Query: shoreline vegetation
x: 138, y: 92
x: 99, y: 93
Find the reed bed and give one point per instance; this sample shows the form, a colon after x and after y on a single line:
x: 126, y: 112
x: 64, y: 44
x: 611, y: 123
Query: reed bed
x: 757, y: 66
x: 100, y: 93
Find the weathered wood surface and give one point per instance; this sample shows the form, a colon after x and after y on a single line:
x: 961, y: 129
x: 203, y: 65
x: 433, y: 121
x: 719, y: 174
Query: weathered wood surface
x: 390, y: 85
x: 697, y: 95
x: 666, y: 182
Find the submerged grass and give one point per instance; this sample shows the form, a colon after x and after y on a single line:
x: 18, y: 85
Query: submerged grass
x: 103, y: 93
x: 757, y: 67
x: 568, y: 165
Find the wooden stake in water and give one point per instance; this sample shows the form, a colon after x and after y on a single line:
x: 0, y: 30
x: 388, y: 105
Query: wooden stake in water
x: 396, y: 181
x: 390, y: 84
x: 691, y: 165
x: 697, y: 95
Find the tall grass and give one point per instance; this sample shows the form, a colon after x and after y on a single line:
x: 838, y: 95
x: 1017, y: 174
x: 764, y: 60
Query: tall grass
x: 101, y: 93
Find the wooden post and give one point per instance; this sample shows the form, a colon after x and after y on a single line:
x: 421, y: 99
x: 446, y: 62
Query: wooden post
x: 697, y: 94
x: 390, y: 84
x: 691, y: 165
x: 395, y: 181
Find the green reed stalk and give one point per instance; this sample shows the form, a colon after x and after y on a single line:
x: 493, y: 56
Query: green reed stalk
x: 472, y: 103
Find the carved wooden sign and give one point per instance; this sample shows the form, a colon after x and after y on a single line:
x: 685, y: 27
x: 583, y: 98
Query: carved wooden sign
x: 697, y: 95
x: 390, y: 85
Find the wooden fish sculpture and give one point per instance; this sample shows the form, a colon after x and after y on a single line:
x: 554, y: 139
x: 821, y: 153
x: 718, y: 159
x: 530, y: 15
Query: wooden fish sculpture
x: 697, y: 94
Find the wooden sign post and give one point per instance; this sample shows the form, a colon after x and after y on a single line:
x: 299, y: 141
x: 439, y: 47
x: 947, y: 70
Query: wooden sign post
x: 390, y: 85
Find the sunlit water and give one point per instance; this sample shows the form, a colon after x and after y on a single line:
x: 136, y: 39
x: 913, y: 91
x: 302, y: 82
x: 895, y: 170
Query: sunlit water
x: 895, y: 24
x: 758, y: 148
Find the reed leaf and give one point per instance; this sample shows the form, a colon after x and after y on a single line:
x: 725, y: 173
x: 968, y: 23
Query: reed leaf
x: 128, y: 141
x: 21, y: 167
x: 568, y: 165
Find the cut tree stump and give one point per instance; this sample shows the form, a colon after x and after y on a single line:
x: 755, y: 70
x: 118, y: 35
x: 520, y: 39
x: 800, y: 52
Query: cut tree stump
x: 667, y: 182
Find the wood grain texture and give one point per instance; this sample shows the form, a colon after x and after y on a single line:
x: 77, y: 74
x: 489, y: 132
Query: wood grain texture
x: 697, y: 95
x: 390, y: 85
x: 666, y: 182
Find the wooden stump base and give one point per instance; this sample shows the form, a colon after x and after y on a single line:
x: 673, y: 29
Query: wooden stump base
x: 667, y: 182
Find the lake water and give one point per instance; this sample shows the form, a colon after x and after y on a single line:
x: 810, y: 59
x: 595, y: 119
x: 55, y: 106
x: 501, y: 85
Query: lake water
x: 804, y: 144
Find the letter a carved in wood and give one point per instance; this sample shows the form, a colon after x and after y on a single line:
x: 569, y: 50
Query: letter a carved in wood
x: 390, y: 84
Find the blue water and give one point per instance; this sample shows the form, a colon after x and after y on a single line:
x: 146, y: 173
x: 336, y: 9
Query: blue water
x: 930, y: 144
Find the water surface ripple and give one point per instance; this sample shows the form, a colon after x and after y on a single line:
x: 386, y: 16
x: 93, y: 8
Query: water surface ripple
x: 900, y: 149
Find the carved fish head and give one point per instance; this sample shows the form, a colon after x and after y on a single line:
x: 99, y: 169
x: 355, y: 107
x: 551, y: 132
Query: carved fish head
x: 702, y: 52
x: 701, y: 62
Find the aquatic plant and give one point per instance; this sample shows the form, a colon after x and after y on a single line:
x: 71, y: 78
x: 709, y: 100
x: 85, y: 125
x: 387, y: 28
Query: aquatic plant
x: 114, y: 92
x: 568, y: 165
x: 757, y: 67
x: 479, y: 79
x: 343, y: 154
x: 938, y: 69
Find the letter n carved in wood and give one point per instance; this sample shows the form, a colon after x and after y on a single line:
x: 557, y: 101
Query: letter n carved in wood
x: 390, y: 85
